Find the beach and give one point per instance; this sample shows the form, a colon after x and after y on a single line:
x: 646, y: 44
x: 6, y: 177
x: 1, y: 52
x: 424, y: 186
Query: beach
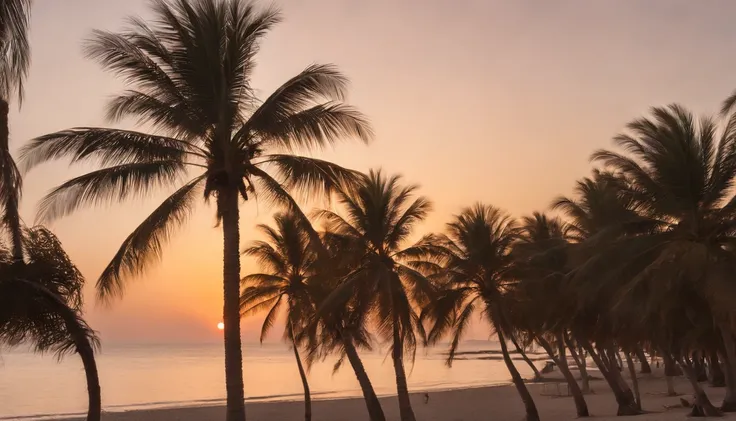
x: 472, y: 404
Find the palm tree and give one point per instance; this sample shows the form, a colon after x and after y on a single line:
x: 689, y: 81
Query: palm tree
x: 341, y: 330
x: 41, y: 303
x: 15, y: 58
x: 40, y: 288
x: 682, y: 171
x: 289, y: 264
x: 189, y: 81
x: 540, y: 303
x: 380, y: 216
x: 477, y: 260
x: 599, y: 214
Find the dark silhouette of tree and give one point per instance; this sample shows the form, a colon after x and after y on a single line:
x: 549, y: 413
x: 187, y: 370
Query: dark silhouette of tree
x: 15, y: 59
x: 289, y: 265
x: 41, y: 305
x: 477, y: 270
x: 188, y: 76
x: 380, y: 215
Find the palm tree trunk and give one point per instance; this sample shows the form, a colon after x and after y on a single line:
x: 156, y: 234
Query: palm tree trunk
x: 537, y: 374
x: 729, y: 363
x: 305, y: 383
x: 580, y: 405
x: 526, y: 397
x: 86, y: 353
x: 699, y: 366
x: 701, y: 399
x: 624, y: 397
x: 645, y: 368
x: 716, y: 376
x: 402, y: 389
x: 634, y: 380
x: 81, y: 338
x: 375, y: 412
x: 10, y: 175
x: 227, y: 202
x: 579, y: 358
x: 670, y: 371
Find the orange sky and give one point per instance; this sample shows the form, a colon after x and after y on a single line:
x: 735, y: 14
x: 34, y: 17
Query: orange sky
x: 497, y: 101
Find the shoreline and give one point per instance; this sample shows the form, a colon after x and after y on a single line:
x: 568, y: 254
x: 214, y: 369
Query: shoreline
x: 459, y: 404
x: 145, y: 408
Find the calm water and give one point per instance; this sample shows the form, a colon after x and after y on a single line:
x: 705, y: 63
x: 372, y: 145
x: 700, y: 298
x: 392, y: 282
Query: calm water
x: 146, y: 376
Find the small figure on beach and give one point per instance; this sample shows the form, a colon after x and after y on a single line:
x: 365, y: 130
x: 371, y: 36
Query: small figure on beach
x: 426, y: 398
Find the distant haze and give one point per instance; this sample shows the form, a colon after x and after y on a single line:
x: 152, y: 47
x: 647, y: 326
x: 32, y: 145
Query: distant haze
x: 476, y: 100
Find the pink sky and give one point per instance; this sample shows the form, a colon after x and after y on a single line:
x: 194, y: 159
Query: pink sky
x: 476, y: 100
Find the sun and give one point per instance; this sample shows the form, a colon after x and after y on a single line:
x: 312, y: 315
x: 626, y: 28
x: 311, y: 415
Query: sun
x: 221, y: 325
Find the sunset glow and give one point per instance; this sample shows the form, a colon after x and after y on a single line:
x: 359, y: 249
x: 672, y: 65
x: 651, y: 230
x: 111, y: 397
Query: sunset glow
x: 221, y: 325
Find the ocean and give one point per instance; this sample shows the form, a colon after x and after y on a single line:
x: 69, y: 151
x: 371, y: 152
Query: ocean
x: 34, y: 387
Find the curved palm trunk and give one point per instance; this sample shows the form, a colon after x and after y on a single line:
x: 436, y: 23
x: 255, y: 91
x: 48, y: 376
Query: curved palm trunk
x: 86, y: 353
x: 375, y: 412
x: 526, y: 397
x: 520, y: 350
x: 634, y: 380
x: 305, y: 383
x: 702, y: 403
x: 82, y: 346
x: 699, y: 366
x: 579, y: 358
x: 729, y: 363
x: 227, y: 202
x: 716, y: 376
x: 624, y: 397
x: 645, y: 368
x: 9, y: 173
x: 402, y: 389
x: 670, y: 372
x: 580, y: 405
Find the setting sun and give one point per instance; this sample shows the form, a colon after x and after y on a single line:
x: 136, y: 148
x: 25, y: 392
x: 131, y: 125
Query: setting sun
x: 221, y: 325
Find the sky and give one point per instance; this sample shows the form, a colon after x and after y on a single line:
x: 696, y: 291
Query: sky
x: 475, y: 100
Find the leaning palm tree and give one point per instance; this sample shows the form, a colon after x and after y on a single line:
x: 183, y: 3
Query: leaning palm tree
x: 477, y: 261
x: 15, y: 57
x: 539, y: 300
x: 189, y: 77
x: 683, y: 170
x: 288, y: 262
x: 41, y: 303
x: 380, y: 216
x: 343, y: 329
x: 599, y: 213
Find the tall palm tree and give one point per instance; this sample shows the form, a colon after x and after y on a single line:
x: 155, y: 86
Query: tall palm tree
x: 189, y: 77
x: 288, y: 262
x: 682, y: 170
x: 41, y: 304
x: 15, y: 58
x: 477, y: 260
x: 380, y: 216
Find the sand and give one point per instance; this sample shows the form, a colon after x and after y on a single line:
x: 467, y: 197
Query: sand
x: 478, y: 404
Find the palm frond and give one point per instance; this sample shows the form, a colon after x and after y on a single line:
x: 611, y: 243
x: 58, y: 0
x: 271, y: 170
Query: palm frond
x: 11, y: 188
x: 311, y: 177
x: 317, y: 127
x: 270, y: 318
x: 146, y: 242
x: 104, y: 147
x: 314, y: 84
x: 107, y: 185
x: 15, y: 49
